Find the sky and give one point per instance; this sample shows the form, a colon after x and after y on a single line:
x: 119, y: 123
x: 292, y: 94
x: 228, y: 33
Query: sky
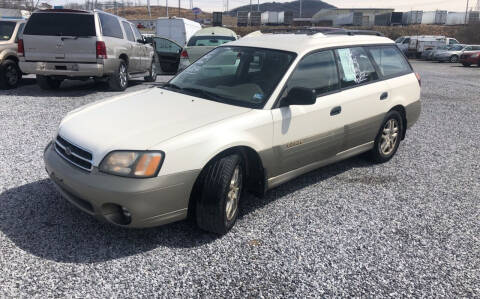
x: 398, y: 5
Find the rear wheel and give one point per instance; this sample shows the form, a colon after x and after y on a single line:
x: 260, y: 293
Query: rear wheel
x: 119, y: 80
x: 10, y: 74
x: 388, y: 138
x: 152, y: 77
x: 221, y: 189
x: 48, y: 83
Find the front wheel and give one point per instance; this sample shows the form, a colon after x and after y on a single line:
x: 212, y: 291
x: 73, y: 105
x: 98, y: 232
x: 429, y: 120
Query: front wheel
x: 454, y: 58
x: 388, y: 138
x: 152, y: 76
x: 466, y: 64
x: 221, y: 190
x: 118, y: 81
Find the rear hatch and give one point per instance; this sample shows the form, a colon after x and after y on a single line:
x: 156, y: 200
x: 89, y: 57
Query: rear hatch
x: 60, y: 36
x: 200, y: 45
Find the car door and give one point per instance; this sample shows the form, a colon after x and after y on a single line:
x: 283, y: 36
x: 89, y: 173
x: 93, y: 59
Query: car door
x: 304, y: 134
x: 134, y: 52
x: 367, y: 97
x: 168, y: 53
x: 145, y: 54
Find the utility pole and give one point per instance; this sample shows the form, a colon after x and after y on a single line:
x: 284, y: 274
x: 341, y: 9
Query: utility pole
x: 300, y: 8
x: 250, y: 5
x: 258, y: 5
x: 167, y: 7
x: 148, y: 8
x: 466, y: 13
x: 179, y: 8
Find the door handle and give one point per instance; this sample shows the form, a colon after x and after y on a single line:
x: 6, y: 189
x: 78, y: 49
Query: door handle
x: 384, y: 96
x: 335, y: 110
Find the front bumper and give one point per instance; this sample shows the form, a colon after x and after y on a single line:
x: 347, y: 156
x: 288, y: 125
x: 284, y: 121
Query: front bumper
x: 72, y: 70
x: 151, y: 202
x: 470, y: 60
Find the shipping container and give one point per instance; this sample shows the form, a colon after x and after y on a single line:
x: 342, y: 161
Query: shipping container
x: 412, y: 17
x: 438, y: 17
x: 473, y: 17
x: 396, y: 18
x: 242, y: 18
x: 255, y: 18
x: 358, y: 18
x: 383, y: 19
x: 441, y: 17
x: 217, y: 18
x: 456, y: 18
x: 270, y: 18
x: 285, y: 17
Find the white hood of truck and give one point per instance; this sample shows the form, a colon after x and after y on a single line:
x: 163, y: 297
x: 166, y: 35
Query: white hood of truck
x: 139, y: 120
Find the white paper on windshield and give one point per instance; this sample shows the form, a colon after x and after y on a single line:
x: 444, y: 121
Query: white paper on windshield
x: 347, y: 64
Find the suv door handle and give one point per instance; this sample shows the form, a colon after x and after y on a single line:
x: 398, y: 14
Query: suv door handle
x: 384, y: 96
x: 335, y: 110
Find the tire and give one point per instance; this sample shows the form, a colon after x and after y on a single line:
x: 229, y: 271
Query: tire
x: 48, y: 83
x: 466, y: 64
x: 454, y: 58
x: 10, y: 74
x: 217, y: 205
x: 152, y: 77
x: 119, y: 80
x: 386, y: 143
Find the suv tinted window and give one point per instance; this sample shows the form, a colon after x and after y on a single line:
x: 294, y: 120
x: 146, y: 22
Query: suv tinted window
x: 316, y: 71
x: 136, y: 32
x: 110, y: 26
x: 355, y: 66
x: 60, y: 24
x: 6, y: 29
x: 390, y: 61
x: 19, y: 32
x: 128, y: 31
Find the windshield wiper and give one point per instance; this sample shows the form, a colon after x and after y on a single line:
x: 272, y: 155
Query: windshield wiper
x: 203, y: 93
x: 170, y: 85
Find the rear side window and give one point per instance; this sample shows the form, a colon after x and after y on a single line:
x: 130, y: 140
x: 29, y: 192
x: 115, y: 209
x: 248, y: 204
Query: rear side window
x: 390, y: 61
x: 6, y: 30
x: 61, y: 24
x: 110, y: 26
x: 135, y: 31
x: 316, y: 71
x: 355, y: 67
x: 19, y: 32
x: 128, y: 31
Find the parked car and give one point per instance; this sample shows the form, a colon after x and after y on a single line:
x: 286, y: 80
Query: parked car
x: 203, y: 41
x: 248, y: 116
x: 61, y: 44
x: 168, y: 54
x: 179, y: 30
x: 469, y: 58
x: 10, y: 73
x: 453, y: 54
x: 414, y: 46
x: 431, y: 53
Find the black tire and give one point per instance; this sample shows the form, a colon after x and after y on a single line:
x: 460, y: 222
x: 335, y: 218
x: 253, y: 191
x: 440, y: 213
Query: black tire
x: 453, y: 59
x: 211, y: 205
x: 377, y: 155
x: 10, y: 74
x: 152, y: 77
x: 119, y: 80
x: 466, y: 64
x: 48, y: 83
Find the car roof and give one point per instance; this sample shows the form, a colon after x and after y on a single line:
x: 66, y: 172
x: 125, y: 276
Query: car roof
x: 215, y: 31
x: 303, y: 43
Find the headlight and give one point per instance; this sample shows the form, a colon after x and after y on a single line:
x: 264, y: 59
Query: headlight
x: 135, y: 164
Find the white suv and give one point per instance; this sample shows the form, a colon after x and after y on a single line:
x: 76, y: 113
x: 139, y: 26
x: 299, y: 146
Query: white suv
x: 248, y: 116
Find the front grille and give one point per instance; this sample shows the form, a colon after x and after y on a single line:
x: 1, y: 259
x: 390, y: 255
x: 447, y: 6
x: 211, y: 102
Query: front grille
x: 73, y: 154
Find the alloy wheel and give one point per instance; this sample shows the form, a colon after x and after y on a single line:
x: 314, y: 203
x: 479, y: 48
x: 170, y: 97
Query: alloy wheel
x: 389, y: 136
x: 233, y: 194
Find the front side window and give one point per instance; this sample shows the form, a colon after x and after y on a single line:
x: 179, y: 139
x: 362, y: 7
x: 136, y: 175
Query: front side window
x: 241, y: 76
x: 163, y: 45
x: 209, y: 40
x: 390, y: 61
x: 355, y: 67
x: 128, y: 31
x: 6, y: 30
x: 110, y: 26
x: 316, y: 71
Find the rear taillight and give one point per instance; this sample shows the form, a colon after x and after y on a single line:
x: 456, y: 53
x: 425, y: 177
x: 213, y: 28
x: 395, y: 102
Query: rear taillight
x: 419, y: 79
x: 20, y: 48
x: 184, y: 54
x: 101, y: 50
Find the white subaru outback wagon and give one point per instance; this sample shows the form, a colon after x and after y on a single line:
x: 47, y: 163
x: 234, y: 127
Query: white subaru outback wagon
x: 247, y: 116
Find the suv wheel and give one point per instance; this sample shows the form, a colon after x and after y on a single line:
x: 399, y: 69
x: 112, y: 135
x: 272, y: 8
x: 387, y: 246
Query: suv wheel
x: 48, y: 83
x: 465, y: 64
x: 454, y: 58
x: 388, y: 138
x: 221, y: 190
x: 10, y: 74
x: 152, y: 77
x: 119, y: 80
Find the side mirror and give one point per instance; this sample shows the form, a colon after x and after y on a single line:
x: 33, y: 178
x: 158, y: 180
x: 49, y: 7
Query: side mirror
x: 299, y: 96
x: 141, y: 40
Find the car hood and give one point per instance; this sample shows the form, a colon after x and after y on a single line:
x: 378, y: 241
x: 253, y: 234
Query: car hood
x: 140, y: 120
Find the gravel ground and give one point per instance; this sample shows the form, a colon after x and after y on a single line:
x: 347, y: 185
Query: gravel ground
x: 409, y: 227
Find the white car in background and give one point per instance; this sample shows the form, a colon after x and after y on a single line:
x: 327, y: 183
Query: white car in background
x: 248, y: 116
x: 203, y: 41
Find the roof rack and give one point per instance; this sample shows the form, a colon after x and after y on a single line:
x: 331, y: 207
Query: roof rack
x: 323, y: 30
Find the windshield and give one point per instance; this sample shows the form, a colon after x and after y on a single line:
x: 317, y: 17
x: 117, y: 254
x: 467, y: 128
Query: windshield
x: 61, y: 24
x: 399, y: 40
x: 456, y: 48
x: 6, y: 30
x: 241, y: 76
x: 209, y: 40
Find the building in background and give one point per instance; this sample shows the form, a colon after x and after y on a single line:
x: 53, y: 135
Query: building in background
x: 348, y: 16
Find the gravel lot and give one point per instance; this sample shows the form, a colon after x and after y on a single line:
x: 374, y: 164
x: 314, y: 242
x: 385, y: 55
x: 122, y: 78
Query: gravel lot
x: 410, y: 227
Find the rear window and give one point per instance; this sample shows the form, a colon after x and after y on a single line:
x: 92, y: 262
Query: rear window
x: 60, y: 24
x: 6, y: 30
x: 355, y: 67
x: 110, y: 26
x: 209, y: 40
x: 390, y: 61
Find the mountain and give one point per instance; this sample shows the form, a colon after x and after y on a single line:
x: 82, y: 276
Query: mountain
x: 309, y: 7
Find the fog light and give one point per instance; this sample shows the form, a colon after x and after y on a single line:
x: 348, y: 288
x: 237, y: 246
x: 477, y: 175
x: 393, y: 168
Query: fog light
x: 116, y: 214
x: 126, y: 213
